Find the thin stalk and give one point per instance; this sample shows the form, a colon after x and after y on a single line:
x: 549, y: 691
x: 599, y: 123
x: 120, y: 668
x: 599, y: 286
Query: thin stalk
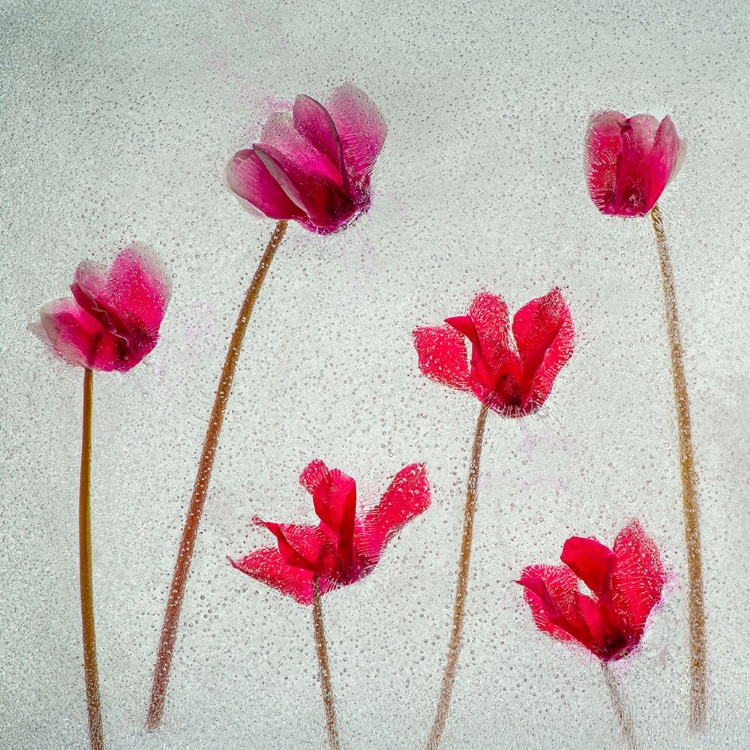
x: 690, y: 510
x: 459, y: 607
x: 321, y: 649
x: 90, y: 669
x: 624, y: 717
x: 200, y: 489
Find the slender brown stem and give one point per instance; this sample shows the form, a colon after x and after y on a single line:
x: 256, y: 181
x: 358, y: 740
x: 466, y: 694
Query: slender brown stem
x: 459, y: 607
x: 192, y: 522
x: 690, y: 511
x: 321, y: 649
x: 624, y: 717
x: 90, y: 669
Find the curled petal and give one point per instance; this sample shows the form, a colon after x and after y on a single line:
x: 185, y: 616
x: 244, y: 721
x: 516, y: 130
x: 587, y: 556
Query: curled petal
x: 591, y: 561
x: 407, y: 496
x: 639, y: 576
x: 544, y: 335
x: 249, y: 179
x: 442, y: 356
x: 552, y: 594
x: 302, y: 546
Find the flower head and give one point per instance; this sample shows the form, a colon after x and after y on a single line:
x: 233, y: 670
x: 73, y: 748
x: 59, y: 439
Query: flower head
x: 629, y: 161
x: 312, y: 165
x: 344, y: 547
x: 112, y: 321
x: 511, y: 372
x: 626, y: 583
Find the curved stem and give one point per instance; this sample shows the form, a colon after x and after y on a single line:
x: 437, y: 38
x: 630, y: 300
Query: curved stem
x: 459, y: 607
x: 690, y: 510
x: 200, y: 489
x: 90, y: 669
x: 624, y: 717
x: 321, y: 649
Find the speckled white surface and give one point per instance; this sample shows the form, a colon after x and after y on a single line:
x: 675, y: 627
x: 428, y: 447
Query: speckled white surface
x: 117, y: 120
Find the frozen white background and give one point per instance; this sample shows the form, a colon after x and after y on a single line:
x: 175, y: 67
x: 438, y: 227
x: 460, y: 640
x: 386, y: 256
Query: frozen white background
x: 117, y: 120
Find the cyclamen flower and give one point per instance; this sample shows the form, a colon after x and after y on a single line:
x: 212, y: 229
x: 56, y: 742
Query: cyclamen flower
x: 626, y: 583
x: 112, y: 321
x: 313, y: 165
x: 630, y: 160
x: 513, y: 374
x: 344, y: 547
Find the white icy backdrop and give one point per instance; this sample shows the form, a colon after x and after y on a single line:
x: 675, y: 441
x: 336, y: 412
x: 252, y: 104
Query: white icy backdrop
x: 117, y: 120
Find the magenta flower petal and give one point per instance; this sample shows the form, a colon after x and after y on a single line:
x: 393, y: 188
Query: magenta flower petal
x: 113, y: 320
x: 361, y: 129
x: 442, y: 356
x: 302, y: 546
x: 543, y: 330
x: 309, y: 169
x: 249, y: 180
x: 268, y: 566
x: 639, y: 576
x: 407, y: 496
x: 551, y: 593
x: 629, y: 161
x: 314, y: 123
x: 591, y: 561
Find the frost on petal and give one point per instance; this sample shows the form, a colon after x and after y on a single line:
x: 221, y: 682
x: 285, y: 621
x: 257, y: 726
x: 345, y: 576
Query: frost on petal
x: 639, y: 575
x: 591, y: 561
x: 551, y: 593
x: 602, y: 153
x: 407, y: 496
x: 268, y: 566
x: 251, y: 181
x: 544, y: 335
x: 666, y: 157
x: 360, y: 126
x: 70, y: 331
x: 442, y: 356
x: 138, y: 287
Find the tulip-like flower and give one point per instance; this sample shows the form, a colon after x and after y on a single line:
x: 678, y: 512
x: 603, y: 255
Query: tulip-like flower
x: 512, y: 374
x: 312, y: 165
x: 626, y: 583
x: 344, y: 547
x: 630, y: 160
x: 510, y: 371
x: 112, y: 321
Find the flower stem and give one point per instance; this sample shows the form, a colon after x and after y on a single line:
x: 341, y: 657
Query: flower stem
x: 200, y: 489
x: 624, y: 717
x: 321, y: 649
x: 90, y: 669
x: 690, y: 511
x: 459, y: 608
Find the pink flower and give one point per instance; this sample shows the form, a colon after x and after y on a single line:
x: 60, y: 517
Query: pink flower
x: 626, y: 583
x: 513, y: 374
x: 112, y: 321
x: 629, y: 161
x: 344, y: 547
x: 313, y: 165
